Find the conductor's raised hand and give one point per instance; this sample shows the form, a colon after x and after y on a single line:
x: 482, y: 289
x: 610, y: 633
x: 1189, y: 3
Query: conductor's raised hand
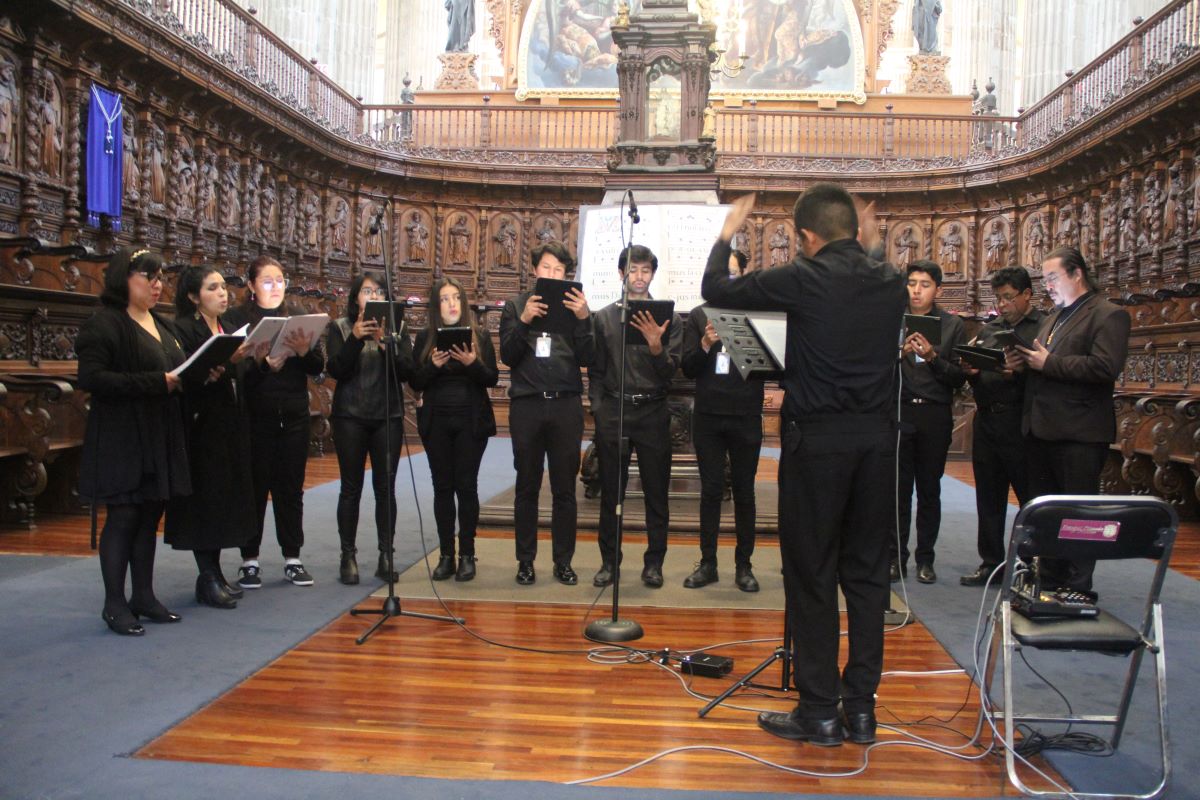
x: 738, y: 213
x: 534, y: 308
x: 651, y: 330
x: 868, y: 226
x: 577, y: 303
x: 463, y: 355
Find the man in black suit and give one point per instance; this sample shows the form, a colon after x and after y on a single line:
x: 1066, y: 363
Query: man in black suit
x: 1068, y: 418
x: 997, y: 445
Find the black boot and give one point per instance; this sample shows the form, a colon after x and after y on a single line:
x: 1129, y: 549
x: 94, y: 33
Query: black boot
x: 444, y: 568
x: 381, y: 571
x: 210, y: 592
x: 231, y: 589
x: 348, y: 572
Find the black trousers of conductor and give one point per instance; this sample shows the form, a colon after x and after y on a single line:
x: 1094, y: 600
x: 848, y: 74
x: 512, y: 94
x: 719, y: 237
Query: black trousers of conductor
x: 546, y: 430
x: 998, y: 460
x: 834, y: 471
x: 278, y: 457
x: 354, y: 439
x: 714, y: 435
x: 1065, y: 468
x: 925, y: 432
x: 648, y: 431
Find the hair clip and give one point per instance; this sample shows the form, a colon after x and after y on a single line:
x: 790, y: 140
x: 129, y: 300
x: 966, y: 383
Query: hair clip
x: 137, y: 254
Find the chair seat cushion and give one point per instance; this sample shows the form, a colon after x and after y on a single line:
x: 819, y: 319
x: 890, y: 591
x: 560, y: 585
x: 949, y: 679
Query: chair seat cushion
x: 1103, y: 633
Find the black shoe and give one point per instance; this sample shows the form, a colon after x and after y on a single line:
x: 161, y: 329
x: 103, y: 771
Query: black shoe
x: 895, y: 571
x: 823, y: 732
x: 381, y: 569
x: 925, y: 573
x: 603, y: 577
x: 745, y: 580
x: 980, y: 576
x: 525, y: 573
x: 466, y: 569
x: 234, y: 591
x: 155, y: 612
x: 860, y: 727
x: 565, y: 575
x: 123, y: 622
x: 444, y: 569
x: 706, y: 573
x: 652, y: 576
x: 211, y: 592
x: 348, y: 571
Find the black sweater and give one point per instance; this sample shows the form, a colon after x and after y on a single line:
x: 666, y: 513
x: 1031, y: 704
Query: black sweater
x: 716, y: 394
x: 284, y: 392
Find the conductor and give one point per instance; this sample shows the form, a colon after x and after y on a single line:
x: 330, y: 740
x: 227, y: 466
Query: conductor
x: 844, y: 315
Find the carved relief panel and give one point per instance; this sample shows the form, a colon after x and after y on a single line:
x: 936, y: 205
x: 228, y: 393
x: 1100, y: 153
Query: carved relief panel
x: 504, y: 245
x: 546, y: 229
x: 10, y: 109
x: 459, y: 242
x: 779, y: 244
x: 951, y: 247
x: 997, y: 238
x: 905, y: 245
x: 337, y: 214
x: 310, y: 221
x: 1066, y: 231
x: 268, y: 213
x: 44, y: 126
x: 155, y: 157
x: 371, y: 247
x: 415, y: 238
x: 1035, y: 242
x: 287, y: 212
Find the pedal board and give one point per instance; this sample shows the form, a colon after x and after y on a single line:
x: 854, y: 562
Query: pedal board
x: 1059, y: 604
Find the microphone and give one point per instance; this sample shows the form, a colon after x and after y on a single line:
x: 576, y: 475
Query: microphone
x: 633, y: 213
x: 377, y: 222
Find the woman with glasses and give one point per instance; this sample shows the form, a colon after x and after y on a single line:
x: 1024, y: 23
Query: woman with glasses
x: 455, y: 420
x: 220, y: 511
x: 134, y: 457
x: 276, y: 393
x: 368, y: 416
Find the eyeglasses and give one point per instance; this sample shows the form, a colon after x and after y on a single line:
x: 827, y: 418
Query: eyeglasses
x: 1051, y: 277
x: 366, y: 292
x: 1007, y: 298
x: 155, y: 278
x: 275, y: 283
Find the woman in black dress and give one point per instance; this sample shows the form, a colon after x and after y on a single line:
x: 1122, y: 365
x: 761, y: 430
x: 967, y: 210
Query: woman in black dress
x: 220, y: 511
x: 276, y: 393
x: 134, y: 458
x: 455, y: 420
x: 367, y: 418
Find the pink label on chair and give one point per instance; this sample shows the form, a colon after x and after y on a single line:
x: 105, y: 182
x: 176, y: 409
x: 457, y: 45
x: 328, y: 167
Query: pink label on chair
x: 1089, y: 530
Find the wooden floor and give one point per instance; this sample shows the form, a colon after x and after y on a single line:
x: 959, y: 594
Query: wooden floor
x: 424, y: 699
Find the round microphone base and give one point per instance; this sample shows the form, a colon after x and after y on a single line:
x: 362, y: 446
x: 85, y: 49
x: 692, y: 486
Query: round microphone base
x: 613, y: 630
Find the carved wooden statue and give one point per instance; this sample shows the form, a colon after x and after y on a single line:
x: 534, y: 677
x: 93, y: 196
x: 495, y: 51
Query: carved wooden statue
x: 995, y: 247
x: 460, y: 242
x: 418, y: 239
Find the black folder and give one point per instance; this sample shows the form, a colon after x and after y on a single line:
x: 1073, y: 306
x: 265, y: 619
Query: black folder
x: 661, y: 310
x: 215, y: 352
x: 980, y: 357
x: 559, y: 318
x: 1011, y: 339
x: 927, y: 326
x: 450, y: 337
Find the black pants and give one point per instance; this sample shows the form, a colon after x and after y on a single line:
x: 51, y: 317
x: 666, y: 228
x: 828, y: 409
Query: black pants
x: 714, y: 435
x: 546, y: 430
x: 1065, y: 468
x: 454, y: 454
x: 278, y: 457
x: 647, y: 430
x: 833, y: 510
x: 925, y: 431
x: 355, y: 439
x: 998, y: 461
x: 127, y: 544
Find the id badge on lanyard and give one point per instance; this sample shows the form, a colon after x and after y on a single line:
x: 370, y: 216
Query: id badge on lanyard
x: 722, y: 363
x: 542, y: 349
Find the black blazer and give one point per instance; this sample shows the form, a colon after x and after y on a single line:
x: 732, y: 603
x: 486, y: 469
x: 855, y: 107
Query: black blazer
x: 359, y: 368
x: 1071, y: 398
x: 134, y: 445
x: 483, y: 374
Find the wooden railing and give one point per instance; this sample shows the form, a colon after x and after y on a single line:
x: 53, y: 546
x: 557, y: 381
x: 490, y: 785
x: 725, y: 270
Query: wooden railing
x: 858, y: 141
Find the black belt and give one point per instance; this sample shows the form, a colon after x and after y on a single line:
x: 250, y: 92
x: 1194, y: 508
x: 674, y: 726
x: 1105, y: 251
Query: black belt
x: 641, y: 399
x: 547, y: 395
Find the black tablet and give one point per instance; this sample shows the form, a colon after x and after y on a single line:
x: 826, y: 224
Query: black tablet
x: 661, y: 310
x: 559, y: 318
x: 980, y: 357
x: 927, y: 326
x: 450, y: 337
x: 378, y: 311
x: 1010, y: 338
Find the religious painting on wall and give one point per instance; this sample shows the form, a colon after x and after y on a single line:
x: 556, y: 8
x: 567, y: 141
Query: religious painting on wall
x: 794, y: 49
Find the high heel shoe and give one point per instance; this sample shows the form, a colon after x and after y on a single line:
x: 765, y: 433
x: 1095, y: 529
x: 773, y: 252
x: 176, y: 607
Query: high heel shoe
x: 123, y: 623
x: 158, y: 613
x: 233, y: 590
x: 210, y: 592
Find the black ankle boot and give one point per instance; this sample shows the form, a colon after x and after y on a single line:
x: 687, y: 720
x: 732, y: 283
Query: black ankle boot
x: 211, y: 592
x: 381, y: 571
x: 444, y: 568
x: 348, y: 573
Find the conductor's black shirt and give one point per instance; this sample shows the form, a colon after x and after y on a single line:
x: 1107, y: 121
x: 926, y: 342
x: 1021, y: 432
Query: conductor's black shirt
x: 844, y: 312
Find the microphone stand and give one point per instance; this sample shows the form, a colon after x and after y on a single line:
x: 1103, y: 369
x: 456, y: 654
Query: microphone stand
x: 391, y: 604
x: 617, y: 629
